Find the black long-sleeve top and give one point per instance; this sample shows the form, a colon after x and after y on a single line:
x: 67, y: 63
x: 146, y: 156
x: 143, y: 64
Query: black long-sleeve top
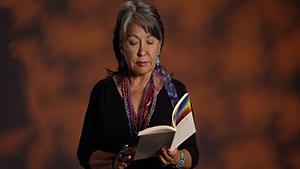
x: 106, y: 125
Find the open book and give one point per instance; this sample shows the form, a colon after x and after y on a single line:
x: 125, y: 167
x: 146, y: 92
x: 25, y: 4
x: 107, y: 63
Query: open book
x: 152, y: 139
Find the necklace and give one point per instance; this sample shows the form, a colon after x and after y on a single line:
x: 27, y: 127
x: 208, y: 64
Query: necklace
x: 150, y: 98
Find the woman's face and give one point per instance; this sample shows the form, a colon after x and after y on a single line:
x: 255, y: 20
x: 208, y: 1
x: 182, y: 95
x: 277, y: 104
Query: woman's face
x: 140, y: 50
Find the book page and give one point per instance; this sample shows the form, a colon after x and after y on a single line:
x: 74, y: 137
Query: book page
x: 148, y: 145
x: 185, y: 128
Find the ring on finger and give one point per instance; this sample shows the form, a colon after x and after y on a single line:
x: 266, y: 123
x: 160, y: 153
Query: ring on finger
x: 122, y: 153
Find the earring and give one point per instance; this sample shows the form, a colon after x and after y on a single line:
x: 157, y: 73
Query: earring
x: 157, y: 61
x: 122, y: 63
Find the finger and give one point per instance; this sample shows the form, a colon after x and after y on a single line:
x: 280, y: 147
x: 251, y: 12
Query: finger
x: 162, y: 160
x: 123, y: 157
x: 163, y: 157
x: 124, y: 153
x: 118, y: 165
x: 126, y: 161
x: 126, y: 158
x: 166, y: 156
x: 172, y: 153
x: 121, y: 165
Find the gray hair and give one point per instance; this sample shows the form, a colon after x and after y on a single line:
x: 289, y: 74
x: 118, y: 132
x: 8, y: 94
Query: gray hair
x: 146, y: 15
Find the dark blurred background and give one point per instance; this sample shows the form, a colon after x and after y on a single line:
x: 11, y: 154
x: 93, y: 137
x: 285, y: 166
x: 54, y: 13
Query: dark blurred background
x: 240, y: 61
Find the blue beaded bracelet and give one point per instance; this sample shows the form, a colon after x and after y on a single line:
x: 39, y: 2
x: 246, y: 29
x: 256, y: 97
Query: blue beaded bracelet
x: 181, y: 162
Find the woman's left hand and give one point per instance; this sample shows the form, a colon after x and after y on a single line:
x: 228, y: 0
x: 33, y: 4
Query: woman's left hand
x: 168, y: 157
x: 123, y: 158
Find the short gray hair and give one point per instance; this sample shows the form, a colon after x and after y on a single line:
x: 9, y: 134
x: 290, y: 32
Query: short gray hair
x: 146, y: 15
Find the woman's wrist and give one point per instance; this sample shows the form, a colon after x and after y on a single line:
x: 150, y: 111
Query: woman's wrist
x: 181, y: 160
x: 113, y: 162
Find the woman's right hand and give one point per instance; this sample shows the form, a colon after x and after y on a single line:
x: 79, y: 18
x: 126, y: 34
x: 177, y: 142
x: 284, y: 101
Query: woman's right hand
x: 123, y: 158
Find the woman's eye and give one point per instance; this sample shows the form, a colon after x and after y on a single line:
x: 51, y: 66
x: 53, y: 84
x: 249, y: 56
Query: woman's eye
x: 150, y: 43
x: 132, y: 43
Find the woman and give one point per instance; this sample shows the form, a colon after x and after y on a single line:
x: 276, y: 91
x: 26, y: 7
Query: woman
x: 141, y: 84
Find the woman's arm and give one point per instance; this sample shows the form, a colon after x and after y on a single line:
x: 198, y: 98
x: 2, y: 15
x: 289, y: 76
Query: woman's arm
x: 188, y: 159
x: 104, y: 160
x: 101, y: 160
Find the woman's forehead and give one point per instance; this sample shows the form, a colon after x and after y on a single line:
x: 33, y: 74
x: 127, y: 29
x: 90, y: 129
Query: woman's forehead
x: 136, y: 29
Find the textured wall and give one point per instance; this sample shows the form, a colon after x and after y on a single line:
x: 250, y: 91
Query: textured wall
x: 239, y: 60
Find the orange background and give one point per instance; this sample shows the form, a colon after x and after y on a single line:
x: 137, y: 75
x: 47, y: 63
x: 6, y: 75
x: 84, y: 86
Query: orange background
x: 239, y: 60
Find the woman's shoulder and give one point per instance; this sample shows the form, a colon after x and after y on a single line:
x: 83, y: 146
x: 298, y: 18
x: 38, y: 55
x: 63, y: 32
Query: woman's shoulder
x: 178, y: 84
x: 104, y: 83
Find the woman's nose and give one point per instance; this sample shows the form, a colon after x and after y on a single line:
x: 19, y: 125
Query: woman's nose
x: 142, y: 49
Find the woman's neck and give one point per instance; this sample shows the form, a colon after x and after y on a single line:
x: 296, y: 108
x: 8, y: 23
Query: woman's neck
x: 139, y: 82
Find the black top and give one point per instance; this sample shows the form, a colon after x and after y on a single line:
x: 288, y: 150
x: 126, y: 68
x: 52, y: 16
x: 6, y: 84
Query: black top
x: 106, y: 125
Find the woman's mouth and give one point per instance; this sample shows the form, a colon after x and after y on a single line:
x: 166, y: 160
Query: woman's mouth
x: 141, y: 63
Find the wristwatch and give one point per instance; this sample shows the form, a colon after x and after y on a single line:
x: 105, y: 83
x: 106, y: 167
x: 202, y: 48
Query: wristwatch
x: 181, y: 162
